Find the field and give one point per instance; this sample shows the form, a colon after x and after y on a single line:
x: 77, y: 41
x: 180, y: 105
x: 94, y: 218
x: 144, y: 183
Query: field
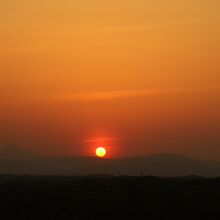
x: 108, y: 197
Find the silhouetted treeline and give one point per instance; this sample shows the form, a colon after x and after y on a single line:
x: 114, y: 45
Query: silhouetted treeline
x: 108, y: 197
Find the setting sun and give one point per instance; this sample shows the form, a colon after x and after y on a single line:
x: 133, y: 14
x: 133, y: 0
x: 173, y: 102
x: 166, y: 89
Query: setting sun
x: 100, y: 152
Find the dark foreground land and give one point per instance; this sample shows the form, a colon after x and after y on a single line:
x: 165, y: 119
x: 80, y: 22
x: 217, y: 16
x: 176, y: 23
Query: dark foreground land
x: 108, y: 197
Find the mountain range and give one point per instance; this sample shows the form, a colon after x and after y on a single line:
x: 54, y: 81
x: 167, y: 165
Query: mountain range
x: 14, y: 160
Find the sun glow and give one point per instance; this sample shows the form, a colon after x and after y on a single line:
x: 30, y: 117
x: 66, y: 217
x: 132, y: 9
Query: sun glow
x: 100, y: 152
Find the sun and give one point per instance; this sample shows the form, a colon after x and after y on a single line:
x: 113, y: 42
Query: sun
x: 100, y: 152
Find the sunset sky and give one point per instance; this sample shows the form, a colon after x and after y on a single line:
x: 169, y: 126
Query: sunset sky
x: 135, y: 76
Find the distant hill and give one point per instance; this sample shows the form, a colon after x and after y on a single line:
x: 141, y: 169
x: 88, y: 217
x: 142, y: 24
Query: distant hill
x: 14, y: 160
x: 12, y: 152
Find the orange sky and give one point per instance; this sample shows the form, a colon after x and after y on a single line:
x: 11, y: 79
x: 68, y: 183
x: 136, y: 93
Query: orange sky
x: 138, y: 76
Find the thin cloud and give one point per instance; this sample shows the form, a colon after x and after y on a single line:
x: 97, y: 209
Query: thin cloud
x: 103, y: 30
x: 69, y: 31
x: 121, y: 94
x: 103, y: 139
x: 96, y: 30
x: 99, y: 96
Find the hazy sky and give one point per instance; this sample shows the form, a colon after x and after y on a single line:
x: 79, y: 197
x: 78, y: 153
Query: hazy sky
x: 137, y: 76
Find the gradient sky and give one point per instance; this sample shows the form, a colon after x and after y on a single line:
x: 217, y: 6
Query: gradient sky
x: 137, y: 76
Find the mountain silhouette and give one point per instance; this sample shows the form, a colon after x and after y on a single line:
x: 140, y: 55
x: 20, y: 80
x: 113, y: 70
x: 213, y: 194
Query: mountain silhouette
x: 12, y: 152
x: 14, y: 160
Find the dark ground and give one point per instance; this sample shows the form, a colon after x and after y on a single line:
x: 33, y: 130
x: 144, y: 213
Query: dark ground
x: 107, y: 197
